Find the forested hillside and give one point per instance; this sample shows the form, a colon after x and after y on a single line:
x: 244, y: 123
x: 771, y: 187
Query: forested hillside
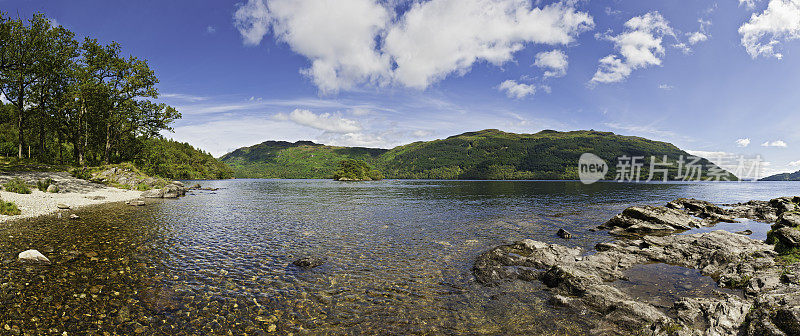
x: 783, y: 177
x: 302, y: 159
x: 487, y: 154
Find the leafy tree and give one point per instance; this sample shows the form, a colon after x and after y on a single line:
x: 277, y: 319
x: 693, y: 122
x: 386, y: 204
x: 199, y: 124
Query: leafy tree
x: 356, y: 170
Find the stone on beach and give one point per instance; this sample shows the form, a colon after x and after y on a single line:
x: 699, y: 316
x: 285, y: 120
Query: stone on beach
x: 564, y: 234
x: 74, y: 216
x: 62, y: 206
x: 33, y: 256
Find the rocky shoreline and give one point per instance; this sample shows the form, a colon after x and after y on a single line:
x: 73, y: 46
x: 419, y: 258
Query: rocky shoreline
x: 73, y: 193
x: 763, y: 277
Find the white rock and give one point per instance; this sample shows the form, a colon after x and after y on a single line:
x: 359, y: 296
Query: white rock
x: 32, y: 256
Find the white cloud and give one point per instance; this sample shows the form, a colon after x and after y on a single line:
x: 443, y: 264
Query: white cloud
x: 354, y: 42
x: 697, y: 37
x: 516, y: 90
x: 765, y: 31
x: 776, y: 143
x: 252, y: 20
x: 749, y: 4
x: 743, y: 142
x: 666, y: 87
x: 440, y: 37
x: 337, y: 36
x: 181, y: 96
x: 794, y: 163
x: 328, y: 122
x: 555, y: 61
x: 639, y: 46
x: 211, y: 30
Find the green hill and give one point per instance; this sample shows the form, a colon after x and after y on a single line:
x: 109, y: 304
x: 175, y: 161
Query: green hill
x: 178, y: 161
x: 302, y: 159
x: 783, y: 177
x: 487, y: 154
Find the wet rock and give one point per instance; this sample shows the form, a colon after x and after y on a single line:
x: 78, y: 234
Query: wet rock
x: 701, y: 209
x: 564, y: 234
x: 787, y: 219
x: 309, y: 262
x: 745, y: 232
x: 32, y: 257
x: 62, y: 206
x: 195, y: 186
x: 789, y: 237
x: 74, y: 216
x: 647, y: 219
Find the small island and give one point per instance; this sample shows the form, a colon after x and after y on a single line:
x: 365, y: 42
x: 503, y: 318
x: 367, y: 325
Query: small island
x: 356, y: 170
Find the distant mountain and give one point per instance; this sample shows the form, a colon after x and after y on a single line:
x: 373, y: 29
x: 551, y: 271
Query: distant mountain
x: 783, y: 177
x: 302, y: 159
x: 488, y: 154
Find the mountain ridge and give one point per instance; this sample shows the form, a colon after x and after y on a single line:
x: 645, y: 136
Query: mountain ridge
x: 489, y: 154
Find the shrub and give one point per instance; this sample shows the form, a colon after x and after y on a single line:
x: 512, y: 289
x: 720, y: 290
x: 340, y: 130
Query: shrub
x: 8, y: 208
x: 356, y: 170
x: 17, y: 186
x: 142, y: 187
x: 44, y: 184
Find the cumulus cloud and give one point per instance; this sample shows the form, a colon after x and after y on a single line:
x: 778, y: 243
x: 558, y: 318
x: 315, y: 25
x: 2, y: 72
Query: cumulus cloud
x: 776, y: 143
x: 555, y: 61
x: 353, y: 42
x: 639, y: 46
x: 666, y: 87
x: 743, y: 142
x: 440, y: 37
x: 252, y: 20
x: 794, y: 163
x: 328, y: 122
x: 516, y: 90
x: 764, y: 32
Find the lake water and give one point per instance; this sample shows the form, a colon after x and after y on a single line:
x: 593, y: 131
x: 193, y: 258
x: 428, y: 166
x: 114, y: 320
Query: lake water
x: 398, y: 255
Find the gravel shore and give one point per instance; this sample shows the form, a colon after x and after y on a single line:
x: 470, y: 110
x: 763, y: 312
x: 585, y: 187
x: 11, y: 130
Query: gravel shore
x: 74, y: 193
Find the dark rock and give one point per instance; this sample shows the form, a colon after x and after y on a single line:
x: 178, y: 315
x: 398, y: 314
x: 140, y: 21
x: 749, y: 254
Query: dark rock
x: 564, y: 234
x: 787, y: 219
x: 309, y: 262
x: 195, y: 186
x: 701, y: 209
x: 745, y: 232
x: 789, y: 237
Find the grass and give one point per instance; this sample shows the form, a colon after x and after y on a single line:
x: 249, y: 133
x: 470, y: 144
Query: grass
x: 17, y: 186
x: 12, y: 164
x: 8, y: 208
x: 44, y: 184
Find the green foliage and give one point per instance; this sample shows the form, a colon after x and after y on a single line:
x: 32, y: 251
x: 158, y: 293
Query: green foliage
x: 8, y: 208
x: 179, y: 161
x: 487, y: 154
x: 42, y: 185
x: 356, y: 170
x: 73, y: 102
x: 302, y: 159
x: 17, y: 186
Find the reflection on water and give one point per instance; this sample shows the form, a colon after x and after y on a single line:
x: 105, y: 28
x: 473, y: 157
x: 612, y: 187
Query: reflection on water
x: 398, y: 254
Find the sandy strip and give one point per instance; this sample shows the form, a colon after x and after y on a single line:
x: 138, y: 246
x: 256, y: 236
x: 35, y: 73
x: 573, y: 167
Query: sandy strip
x: 75, y: 193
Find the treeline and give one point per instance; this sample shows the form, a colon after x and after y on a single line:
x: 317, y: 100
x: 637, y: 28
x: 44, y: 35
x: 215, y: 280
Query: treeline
x: 71, y: 101
x: 179, y: 161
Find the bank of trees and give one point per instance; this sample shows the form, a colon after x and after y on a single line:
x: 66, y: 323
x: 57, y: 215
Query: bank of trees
x: 72, y: 101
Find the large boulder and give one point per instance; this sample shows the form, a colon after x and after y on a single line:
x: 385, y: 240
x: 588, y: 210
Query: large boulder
x: 788, y: 237
x: 154, y: 193
x: 784, y: 204
x: 787, y: 219
x: 701, y: 209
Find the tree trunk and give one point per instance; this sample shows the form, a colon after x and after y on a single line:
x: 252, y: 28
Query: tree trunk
x: 20, y: 124
x: 107, y: 153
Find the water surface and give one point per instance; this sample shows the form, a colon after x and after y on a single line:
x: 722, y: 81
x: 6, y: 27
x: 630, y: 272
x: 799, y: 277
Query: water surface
x: 398, y: 254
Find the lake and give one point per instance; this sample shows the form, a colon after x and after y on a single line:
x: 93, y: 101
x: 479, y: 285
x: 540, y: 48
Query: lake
x: 398, y: 257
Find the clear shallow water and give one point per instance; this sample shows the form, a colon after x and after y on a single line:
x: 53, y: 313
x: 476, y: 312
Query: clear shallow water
x: 398, y: 254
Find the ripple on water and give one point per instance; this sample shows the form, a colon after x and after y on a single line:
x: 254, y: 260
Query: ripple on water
x: 399, y: 255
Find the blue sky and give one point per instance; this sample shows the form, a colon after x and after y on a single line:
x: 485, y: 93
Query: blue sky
x: 707, y: 76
